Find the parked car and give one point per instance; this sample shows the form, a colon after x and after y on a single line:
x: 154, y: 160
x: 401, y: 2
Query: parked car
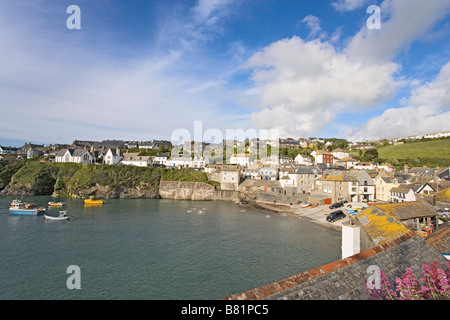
x: 336, y: 205
x: 335, y: 216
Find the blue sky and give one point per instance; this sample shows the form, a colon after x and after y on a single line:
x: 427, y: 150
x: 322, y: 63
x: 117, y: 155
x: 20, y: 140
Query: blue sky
x: 140, y: 70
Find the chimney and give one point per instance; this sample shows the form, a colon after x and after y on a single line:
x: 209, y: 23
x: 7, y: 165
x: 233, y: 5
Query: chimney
x: 351, y: 239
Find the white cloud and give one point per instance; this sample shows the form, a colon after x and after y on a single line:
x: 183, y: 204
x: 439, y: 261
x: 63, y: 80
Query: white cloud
x: 403, y: 22
x: 426, y: 111
x: 59, y: 90
x: 313, y: 23
x: 349, y: 5
x: 208, y: 11
x: 304, y: 85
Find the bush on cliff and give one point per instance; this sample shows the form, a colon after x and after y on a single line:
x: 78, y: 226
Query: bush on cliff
x: 7, y: 170
x: 64, y: 179
x: 115, y: 177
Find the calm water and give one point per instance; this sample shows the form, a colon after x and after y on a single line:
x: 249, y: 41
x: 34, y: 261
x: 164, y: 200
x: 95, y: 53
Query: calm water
x: 155, y: 249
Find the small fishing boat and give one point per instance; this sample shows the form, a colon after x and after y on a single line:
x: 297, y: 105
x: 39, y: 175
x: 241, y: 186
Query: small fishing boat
x: 62, y: 216
x: 19, y: 207
x: 310, y: 207
x: 305, y: 205
x: 93, y: 201
x: 56, y: 204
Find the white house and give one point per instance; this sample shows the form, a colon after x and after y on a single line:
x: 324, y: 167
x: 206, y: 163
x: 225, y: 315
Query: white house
x: 321, y: 156
x: 268, y: 173
x: 386, y: 167
x: 340, y: 154
x: 287, y: 181
x: 74, y: 155
x: 431, y: 135
x: 161, y: 159
x: 8, y: 150
x: 135, y: 159
x: 403, y: 193
x: 347, y: 163
x: 425, y: 189
x: 180, y: 161
x: 364, y: 166
x: 240, y: 159
x: 303, y: 160
x: 112, y: 156
x: 200, y: 162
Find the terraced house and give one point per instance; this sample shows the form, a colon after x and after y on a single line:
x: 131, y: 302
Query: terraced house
x: 352, y: 186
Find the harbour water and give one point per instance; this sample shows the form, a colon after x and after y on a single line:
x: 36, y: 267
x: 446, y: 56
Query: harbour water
x: 155, y: 250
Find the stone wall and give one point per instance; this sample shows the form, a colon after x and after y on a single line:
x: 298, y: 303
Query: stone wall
x: 186, y: 190
x: 281, y: 198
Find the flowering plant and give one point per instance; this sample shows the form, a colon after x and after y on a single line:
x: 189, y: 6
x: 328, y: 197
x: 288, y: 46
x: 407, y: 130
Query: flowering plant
x: 435, y: 285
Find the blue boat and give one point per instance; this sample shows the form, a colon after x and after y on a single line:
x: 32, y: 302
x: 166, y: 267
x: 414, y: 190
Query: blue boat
x: 19, y: 207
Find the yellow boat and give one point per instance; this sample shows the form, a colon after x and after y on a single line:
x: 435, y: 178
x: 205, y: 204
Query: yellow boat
x: 56, y: 204
x: 92, y: 201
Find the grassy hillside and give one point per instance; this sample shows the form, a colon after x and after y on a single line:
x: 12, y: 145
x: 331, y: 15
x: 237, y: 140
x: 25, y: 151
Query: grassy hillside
x: 429, y: 153
x: 46, y: 178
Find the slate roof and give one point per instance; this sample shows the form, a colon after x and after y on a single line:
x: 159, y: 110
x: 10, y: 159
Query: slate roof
x: 344, y: 279
x: 407, y: 210
x: 440, y: 238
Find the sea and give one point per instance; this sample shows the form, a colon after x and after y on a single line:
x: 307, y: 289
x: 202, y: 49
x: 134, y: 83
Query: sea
x: 154, y: 249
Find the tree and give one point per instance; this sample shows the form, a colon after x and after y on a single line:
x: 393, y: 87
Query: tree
x: 370, y: 154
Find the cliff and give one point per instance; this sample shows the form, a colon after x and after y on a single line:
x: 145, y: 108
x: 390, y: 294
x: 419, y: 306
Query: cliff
x: 77, y: 180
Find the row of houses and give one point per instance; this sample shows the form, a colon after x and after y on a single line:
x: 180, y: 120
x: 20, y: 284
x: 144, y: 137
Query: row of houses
x: 116, y: 157
x: 433, y: 135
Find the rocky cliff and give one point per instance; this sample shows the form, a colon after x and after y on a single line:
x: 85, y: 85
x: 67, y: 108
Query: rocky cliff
x: 102, y: 181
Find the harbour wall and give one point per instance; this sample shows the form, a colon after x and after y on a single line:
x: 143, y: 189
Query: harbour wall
x: 200, y: 191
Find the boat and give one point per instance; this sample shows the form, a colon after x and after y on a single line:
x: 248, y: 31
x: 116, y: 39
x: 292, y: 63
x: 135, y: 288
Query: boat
x: 22, y: 208
x: 62, y: 216
x: 313, y: 206
x: 92, y: 201
x: 56, y: 204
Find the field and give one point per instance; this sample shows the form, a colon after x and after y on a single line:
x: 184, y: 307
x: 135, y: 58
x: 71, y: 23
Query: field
x: 429, y: 153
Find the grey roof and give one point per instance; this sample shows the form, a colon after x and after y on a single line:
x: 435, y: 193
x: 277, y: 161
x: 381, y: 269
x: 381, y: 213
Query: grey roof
x: 308, y: 170
x: 361, y: 176
x: 405, y: 188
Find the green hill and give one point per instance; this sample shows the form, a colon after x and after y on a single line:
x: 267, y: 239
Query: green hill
x: 420, y: 153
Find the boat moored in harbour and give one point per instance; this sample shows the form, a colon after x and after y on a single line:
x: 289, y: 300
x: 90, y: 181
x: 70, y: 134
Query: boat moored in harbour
x: 93, y: 201
x: 19, y: 207
x: 62, y: 216
x: 56, y: 204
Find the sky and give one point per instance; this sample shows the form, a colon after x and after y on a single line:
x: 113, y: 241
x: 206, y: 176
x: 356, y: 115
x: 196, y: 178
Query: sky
x: 142, y: 70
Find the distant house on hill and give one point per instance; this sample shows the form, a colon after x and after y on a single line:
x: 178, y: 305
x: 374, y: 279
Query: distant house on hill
x: 303, y: 160
x: 74, y: 155
x: 8, y: 150
x: 135, y: 159
x: 322, y: 157
x: 108, y: 144
x: 112, y: 156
